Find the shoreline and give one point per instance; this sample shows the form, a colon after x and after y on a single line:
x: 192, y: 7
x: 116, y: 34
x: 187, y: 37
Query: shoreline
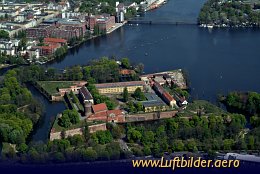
x: 226, y: 26
x: 53, y: 58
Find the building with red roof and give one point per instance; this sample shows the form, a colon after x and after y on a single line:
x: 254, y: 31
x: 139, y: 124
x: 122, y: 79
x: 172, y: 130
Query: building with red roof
x: 126, y: 72
x: 99, y: 108
x: 101, y: 113
x: 47, y: 50
x: 115, y: 116
x: 164, y: 94
x: 59, y: 41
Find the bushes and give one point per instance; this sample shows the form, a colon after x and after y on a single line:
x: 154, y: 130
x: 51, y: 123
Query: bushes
x: 61, y: 51
x: 181, y: 134
x: 68, y: 118
x: 102, y: 137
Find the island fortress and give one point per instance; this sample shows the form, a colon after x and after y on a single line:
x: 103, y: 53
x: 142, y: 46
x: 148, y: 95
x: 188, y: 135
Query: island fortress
x: 155, y: 102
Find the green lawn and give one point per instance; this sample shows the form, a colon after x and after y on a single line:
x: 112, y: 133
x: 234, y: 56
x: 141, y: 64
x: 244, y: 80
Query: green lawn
x: 51, y: 87
x: 81, y: 124
x: 206, y: 107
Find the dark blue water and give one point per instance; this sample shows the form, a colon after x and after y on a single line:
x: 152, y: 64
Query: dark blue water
x: 47, y: 119
x: 118, y: 167
x: 217, y: 61
x: 220, y: 60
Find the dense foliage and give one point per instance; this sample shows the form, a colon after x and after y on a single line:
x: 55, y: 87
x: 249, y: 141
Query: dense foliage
x: 101, y: 145
x: 139, y: 95
x: 107, y: 6
x: 61, y: 51
x: 4, y: 34
x: 248, y: 103
x: 68, y: 118
x: 181, y: 134
x: 7, y: 59
x: 18, y: 110
x: 230, y: 13
x: 97, y: 71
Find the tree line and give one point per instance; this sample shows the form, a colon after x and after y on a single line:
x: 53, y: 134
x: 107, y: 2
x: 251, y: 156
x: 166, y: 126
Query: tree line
x: 230, y: 13
x: 18, y: 110
x: 101, y: 145
x: 103, y: 70
x: 243, y: 102
x: 208, y: 134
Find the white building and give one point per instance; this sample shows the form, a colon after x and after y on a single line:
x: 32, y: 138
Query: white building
x: 9, y: 47
x: 33, y: 53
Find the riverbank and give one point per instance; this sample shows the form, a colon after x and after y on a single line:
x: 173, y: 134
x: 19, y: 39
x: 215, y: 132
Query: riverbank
x: 230, y: 14
x: 53, y: 58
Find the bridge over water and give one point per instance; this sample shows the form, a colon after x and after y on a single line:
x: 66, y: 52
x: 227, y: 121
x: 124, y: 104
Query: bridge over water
x: 161, y: 22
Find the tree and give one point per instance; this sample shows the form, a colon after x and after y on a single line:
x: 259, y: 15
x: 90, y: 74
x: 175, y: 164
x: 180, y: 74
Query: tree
x: 89, y: 154
x: 177, y: 145
x: 4, y: 34
x: 115, y: 131
x: 156, y: 150
x: 59, y: 157
x: 125, y: 63
x: 86, y: 131
x: 133, y: 135
x: 148, y: 138
x: 22, y: 148
x: 103, y: 137
x: 147, y: 150
x: 139, y: 106
x: 64, y: 121
x: 76, y: 140
x: 125, y: 95
x: 228, y: 144
x: 74, y: 116
x: 22, y: 44
x: 251, y: 142
x: 139, y: 95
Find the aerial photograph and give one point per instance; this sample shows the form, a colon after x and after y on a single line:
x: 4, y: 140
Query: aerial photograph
x: 129, y: 86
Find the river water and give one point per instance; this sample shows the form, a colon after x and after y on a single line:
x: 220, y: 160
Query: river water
x: 217, y: 61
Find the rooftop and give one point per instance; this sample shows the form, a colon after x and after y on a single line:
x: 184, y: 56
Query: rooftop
x: 85, y: 93
x: 120, y: 84
x: 56, y: 40
x: 126, y: 72
x: 152, y: 103
x: 152, y: 100
x: 99, y: 107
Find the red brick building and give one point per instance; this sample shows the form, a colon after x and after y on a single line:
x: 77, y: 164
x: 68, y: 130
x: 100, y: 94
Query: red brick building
x: 47, y: 50
x: 65, y: 30
x: 101, y: 113
x: 41, y: 31
x: 104, y: 22
x: 51, y: 41
x: 168, y: 99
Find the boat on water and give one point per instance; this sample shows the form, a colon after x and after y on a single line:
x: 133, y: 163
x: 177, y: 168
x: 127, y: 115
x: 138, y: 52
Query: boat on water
x: 210, y: 26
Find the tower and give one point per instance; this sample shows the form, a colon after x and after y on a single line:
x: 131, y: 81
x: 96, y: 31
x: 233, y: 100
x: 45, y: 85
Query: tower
x: 87, y: 108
